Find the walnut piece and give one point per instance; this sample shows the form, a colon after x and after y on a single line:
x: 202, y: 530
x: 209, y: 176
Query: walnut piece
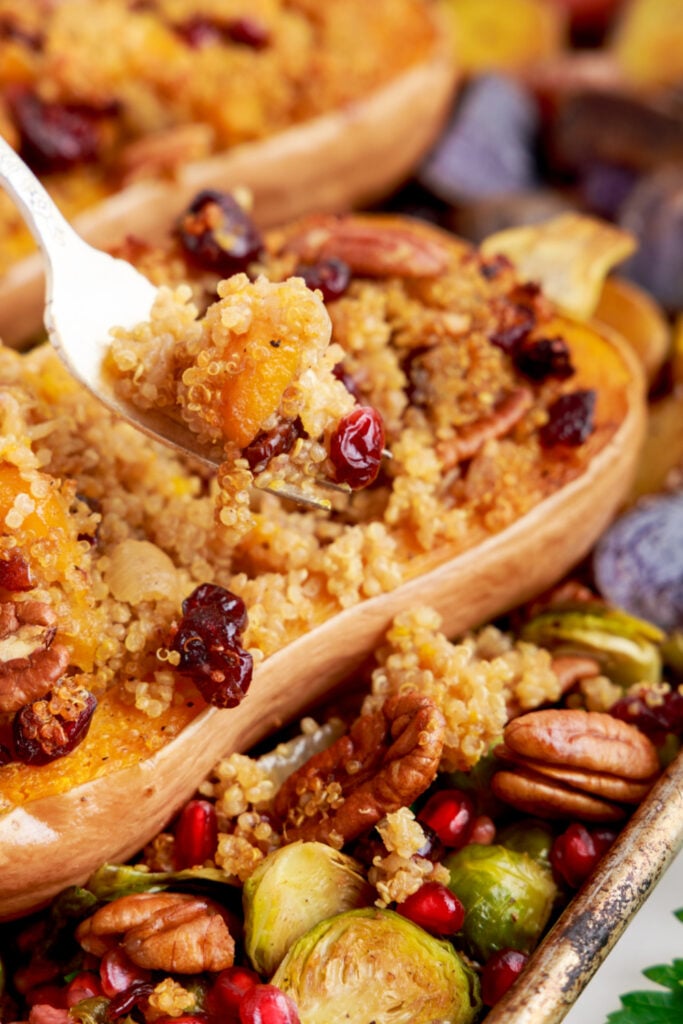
x: 570, y: 762
x: 162, y: 931
x: 30, y: 663
x: 385, y: 761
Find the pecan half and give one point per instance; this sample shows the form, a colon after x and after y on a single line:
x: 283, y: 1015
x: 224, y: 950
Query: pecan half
x: 29, y: 661
x: 385, y: 761
x: 374, y: 247
x: 162, y: 931
x: 506, y: 413
x: 567, y: 762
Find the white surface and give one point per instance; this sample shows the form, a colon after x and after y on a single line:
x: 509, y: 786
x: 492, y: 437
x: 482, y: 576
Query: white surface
x: 654, y: 936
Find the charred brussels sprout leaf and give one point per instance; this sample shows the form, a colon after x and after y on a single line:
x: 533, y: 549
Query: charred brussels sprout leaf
x: 292, y: 890
x: 625, y: 647
x: 507, y: 895
x: 114, y: 880
x: 374, y: 965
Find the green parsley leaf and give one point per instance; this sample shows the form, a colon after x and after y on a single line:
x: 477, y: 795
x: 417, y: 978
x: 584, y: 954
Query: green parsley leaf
x: 651, y: 1006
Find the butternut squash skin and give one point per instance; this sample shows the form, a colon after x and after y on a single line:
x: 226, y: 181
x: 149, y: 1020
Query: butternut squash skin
x: 56, y: 841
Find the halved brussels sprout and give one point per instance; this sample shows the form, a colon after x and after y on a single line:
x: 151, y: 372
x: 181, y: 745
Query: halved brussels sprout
x: 374, y: 965
x: 293, y: 889
x: 530, y: 836
x: 627, y: 648
x: 507, y: 895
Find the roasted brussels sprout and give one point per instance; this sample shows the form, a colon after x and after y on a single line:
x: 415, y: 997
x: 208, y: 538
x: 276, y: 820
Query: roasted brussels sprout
x: 374, y: 965
x: 627, y: 648
x: 507, y: 895
x: 530, y: 836
x: 293, y: 889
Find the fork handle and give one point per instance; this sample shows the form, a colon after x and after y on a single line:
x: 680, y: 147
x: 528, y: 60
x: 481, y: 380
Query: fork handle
x: 48, y: 226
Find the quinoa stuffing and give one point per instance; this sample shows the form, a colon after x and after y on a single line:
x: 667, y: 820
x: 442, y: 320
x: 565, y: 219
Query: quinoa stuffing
x: 146, y: 587
x: 178, y: 81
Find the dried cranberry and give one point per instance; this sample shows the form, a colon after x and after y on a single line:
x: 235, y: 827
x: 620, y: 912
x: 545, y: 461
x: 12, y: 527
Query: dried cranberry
x: 119, y: 974
x: 500, y: 972
x: 267, y: 445
x: 135, y: 995
x: 576, y: 852
x: 267, y: 1004
x: 656, y: 717
x: 40, y: 736
x: 53, y: 996
x: 198, y: 30
x: 417, y: 376
x: 218, y: 235
x: 331, y: 276
x: 196, y: 834
x: 435, y: 908
x: 85, y: 985
x: 349, y: 382
x: 220, y: 612
x: 207, y: 640
x: 356, y: 447
x: 494, y: 266
x: 228, y: 989
x: 5, y: 755
x: 516, y: 317
x: 571, y: 419
x: 248, y: 31
x: 545, y: 357
x: 56, y: 136
x: 451, y: 813
x: 10, y: 30
x: 15, y: 573
x: 432, y: 848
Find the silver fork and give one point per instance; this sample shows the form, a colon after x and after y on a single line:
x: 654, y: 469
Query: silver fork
x: 87, y: 293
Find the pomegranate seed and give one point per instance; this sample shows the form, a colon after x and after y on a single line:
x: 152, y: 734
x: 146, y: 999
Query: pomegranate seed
x: 500, y: 972
x: 654, y: 719
x: 186, y: 1018
x: 218, y: 235
x: 85, y: 985
x: 435, y: 908
x: 570, y: 419
x: 196, y: 834
x: 47, y: 995
x: 331, y: 277
x: 450, y: 812
x: 34, y: 975
x: 483, y: 830
x: 267, y: 1004
x: 576, y: 852
x: 118, y: 972
x: 227, y: 991
x: 432, y: 848
x: 356, y: 447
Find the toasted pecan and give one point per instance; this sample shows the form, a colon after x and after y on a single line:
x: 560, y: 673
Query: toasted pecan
x: 163, y: 931
x: 372, y: 246
x: 386, y: 761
